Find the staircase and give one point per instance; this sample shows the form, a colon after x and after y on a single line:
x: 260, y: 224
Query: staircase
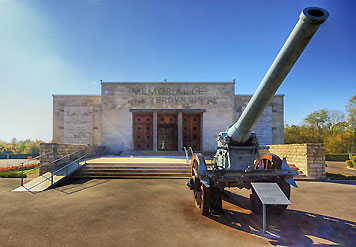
x: 152, y: 153
x: 134, y: 167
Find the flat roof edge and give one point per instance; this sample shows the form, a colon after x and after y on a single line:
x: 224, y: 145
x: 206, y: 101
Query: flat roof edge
x: 169, y: 82
x: 279, y: 95
x: 85, y: 95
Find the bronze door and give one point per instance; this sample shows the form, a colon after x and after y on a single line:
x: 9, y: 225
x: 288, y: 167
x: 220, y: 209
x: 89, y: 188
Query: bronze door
x: 143, y: 131
x: 167, y: 132
x: 191, y: 131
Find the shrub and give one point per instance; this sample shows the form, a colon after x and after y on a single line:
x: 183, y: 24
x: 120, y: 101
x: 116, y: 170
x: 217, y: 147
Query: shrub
x: 334, y: 176
x: 351, y: 162
x: 336, y: 157
x: 11, y: 174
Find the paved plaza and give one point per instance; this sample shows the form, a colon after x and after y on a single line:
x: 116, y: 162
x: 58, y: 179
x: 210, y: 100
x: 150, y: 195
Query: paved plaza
x: 160, y: 212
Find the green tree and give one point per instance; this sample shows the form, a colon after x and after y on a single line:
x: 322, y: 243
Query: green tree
x: 13, y: 140
x: 32, y: 147
x: 323, y: 126
x: 20, y: 147
x: 291, y: 134
x: 351, y: 120
x: 320, y: 122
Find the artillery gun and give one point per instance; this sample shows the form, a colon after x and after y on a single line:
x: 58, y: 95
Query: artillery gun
x: 237, y: 161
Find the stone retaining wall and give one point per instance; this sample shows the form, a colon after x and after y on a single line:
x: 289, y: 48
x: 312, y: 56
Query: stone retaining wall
x: 60, y: 150
x: 309, y: 157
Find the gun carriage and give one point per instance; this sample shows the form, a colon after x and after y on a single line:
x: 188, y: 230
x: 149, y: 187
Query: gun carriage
x: 237, y: 161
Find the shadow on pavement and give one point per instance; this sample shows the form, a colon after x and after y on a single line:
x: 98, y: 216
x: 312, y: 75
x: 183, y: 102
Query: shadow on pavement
x: 72, y: 186
x: 295, y: 228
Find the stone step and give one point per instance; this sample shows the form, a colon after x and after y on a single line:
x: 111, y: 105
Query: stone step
x: 152, y: 153
x: 132, y: 167
x: 138, y: 153
x: 137, y: 165
x: 130, y: 174
x: 133, y: 170
x: 162, y: 176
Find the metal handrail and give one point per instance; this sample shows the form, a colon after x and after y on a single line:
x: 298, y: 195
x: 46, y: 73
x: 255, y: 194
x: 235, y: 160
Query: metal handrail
x: 67, y: 155
x: 22, y: 163
x: 51, y: 162
x: 54, y: 172
x: 66, y: 166
x: 187, y: 154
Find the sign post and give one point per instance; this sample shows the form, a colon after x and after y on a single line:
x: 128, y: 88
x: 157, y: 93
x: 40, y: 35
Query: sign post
x: 269, y: 194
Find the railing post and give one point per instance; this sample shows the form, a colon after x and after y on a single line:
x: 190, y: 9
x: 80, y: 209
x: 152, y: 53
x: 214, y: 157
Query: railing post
x: 52, y: 177
x: 22, y: 174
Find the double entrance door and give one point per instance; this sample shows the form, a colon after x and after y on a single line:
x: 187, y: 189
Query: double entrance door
x: 167, y: 131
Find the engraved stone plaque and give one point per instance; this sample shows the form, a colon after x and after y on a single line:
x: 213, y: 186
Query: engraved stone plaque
x: 78, y: 124
x: 270, y: 193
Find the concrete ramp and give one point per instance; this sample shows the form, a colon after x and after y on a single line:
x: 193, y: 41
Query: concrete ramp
x: 44, y: 181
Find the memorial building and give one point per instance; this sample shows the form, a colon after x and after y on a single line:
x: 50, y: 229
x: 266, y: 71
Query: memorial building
x: 159, y: 116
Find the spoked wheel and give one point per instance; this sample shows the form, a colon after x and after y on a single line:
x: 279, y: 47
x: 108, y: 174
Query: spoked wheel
x: 201, y: 197
x: 270, y: 161
x: 201, y: 193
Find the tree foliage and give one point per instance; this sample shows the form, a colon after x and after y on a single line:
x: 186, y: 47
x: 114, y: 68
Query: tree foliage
x: 20, y: 147
x: 329, y: 127
x: 351, y: 119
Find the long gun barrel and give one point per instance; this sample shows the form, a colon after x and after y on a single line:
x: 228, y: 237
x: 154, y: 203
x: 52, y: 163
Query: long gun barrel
x: 309, y: 22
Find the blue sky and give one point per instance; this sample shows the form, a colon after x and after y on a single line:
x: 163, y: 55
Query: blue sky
x: 66, y: 47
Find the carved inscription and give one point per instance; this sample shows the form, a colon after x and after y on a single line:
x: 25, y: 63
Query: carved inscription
x: 176, y: 96
x: 78, y: 124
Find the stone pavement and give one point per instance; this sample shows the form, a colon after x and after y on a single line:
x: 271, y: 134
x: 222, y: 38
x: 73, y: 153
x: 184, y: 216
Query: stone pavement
x: 147, y: 212
x: 339, y: 167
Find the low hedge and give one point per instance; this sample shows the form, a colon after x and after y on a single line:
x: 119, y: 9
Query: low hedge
x: 335, y: 176
x: 11, y: 174
x: 336, y: 157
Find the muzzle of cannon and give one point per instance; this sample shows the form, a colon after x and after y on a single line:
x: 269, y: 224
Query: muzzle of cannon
x: 309, y: 22
x: 237, y: 161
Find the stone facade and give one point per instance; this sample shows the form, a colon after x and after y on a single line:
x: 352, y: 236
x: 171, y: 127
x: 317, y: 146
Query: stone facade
x: 272, y: 120
x: 309, y: 157
x: 77, y: 119
x: 119, y: 99
x: 107, y: 119
x: 57, y: 151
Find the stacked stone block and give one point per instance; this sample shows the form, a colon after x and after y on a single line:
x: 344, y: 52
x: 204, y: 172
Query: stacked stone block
x: 241, y: 101
x: 60, y: 150
x: 308, y: 157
